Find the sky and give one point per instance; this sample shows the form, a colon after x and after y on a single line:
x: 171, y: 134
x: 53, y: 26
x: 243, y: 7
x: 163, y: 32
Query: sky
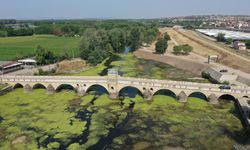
x: 118, y: 9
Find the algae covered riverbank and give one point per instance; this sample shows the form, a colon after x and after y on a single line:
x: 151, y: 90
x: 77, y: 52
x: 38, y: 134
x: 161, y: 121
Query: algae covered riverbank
x: 65, y: 121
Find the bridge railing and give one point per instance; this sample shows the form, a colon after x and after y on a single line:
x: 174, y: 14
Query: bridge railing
x: 128, y: 81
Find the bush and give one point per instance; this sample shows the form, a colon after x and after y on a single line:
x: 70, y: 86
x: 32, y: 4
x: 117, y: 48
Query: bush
x: 161, y: 46
x: 221, y: 37
x: 183, y: 49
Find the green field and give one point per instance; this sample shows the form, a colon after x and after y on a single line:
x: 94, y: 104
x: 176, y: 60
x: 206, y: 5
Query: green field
x: 35, y: 120
x: 17, y: 47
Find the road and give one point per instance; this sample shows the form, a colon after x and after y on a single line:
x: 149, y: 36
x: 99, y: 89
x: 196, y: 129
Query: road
x: 193, y: 62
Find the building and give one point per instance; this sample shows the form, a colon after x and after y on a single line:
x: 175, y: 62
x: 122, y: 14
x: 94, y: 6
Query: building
x: 239, y: 45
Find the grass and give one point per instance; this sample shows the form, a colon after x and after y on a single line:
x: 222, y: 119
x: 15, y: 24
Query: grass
x: 2, y: 86
x: 134, y: 67
x: 92, y: 71
x: 131, y: 66
x: 16, y: 47
x: 51, y: 119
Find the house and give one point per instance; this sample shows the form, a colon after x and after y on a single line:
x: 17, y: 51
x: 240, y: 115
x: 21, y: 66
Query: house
x: 239, y: 45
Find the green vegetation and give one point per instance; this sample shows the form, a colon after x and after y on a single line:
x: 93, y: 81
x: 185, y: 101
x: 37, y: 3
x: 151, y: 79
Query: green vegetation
x: 2, y: 86
x: 162, y: 44
x: 131, y: 66
x: 65, y: 121
x: 19, y: 47
x: 183, y: 49
x: 98, y: 44
x: 221, y: 37
x: 248, y: 44
x: 93, y: 71
x: 229, y: 41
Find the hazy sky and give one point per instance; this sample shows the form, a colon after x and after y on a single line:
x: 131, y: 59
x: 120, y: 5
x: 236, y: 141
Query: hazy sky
x: 65, y: 9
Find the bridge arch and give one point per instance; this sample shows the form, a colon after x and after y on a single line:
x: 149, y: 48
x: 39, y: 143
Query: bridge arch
x: 227, y: 97
x: 165, y: 92
x: 129, y: 91
x: 199, y: 95
x: 38, y: 86
x: 98, y: 89
x: 65, y: 87
x: 18, y: 85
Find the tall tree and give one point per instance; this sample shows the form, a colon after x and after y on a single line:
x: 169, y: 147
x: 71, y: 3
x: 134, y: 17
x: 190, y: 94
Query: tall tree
x: 136, y: 38
x: 161, y: 46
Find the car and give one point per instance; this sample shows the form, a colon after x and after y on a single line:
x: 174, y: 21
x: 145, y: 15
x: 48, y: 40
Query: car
x: 225, y: 87
x: 223, y: 70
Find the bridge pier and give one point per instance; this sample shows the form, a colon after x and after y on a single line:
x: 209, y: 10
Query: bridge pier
x: 147, y: 95
x: 182, y: 97
x: 213, y: 99
x: 81, y: 91
x: 27, y: 88
x: 114, y: 95
x: 51, y: 89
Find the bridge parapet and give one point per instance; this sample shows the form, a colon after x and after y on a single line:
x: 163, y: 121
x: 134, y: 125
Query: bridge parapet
x: 115, y: 86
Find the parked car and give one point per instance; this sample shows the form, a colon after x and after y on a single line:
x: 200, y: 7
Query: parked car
x: 225, y: 87
x: 223, y: 70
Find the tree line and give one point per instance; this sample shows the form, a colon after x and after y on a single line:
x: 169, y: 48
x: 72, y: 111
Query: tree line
x: 102, y: 40
x: 10, y: 28
x: 97, y: 44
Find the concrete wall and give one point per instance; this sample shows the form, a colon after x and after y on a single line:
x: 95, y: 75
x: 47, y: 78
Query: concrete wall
x: 5, y: 90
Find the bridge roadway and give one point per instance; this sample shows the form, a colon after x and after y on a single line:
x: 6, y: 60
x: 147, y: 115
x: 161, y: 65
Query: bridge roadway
x: 146, y: 87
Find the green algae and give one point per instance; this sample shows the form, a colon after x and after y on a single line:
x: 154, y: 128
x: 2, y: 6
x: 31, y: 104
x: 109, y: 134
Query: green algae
x: 163, y: 122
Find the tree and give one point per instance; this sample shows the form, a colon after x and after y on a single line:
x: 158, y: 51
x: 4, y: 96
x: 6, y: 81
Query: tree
x: 229, y: 41
x: 248, y: 44
x: 117, y: 40
x: 187, y: 49
x: 3, y: 34
x: 221, y: 37
x: 161, y: 46
x: 177, y: 49
x: 150, y: 35
x: 109, y: 48
x: 84, y: 48
x: 166, y: 36
x: 183, y: 49
x: 136, y: 38
x: 44, y: 57
x: 44, y: 29
x: 95, y: 57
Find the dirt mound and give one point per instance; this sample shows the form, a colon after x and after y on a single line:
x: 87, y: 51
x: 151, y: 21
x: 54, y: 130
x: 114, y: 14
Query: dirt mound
x: 71, y: 66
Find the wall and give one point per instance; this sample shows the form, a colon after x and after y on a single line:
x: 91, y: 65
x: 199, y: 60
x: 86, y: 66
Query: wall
x: 5, y: 90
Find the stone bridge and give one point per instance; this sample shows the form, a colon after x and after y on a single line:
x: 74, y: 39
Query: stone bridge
x: 114, y: 84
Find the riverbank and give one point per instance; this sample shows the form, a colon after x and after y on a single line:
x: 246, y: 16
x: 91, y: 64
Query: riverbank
x: 130, y: 66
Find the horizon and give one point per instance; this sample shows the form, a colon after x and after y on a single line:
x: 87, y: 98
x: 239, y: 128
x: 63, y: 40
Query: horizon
x: 108, y: 18
x: 115, y: 9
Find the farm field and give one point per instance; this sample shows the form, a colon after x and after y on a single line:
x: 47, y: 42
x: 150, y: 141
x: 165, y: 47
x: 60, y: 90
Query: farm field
x: 18, y: 47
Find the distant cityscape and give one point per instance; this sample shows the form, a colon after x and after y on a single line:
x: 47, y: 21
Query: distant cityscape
x: 218, y: 21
